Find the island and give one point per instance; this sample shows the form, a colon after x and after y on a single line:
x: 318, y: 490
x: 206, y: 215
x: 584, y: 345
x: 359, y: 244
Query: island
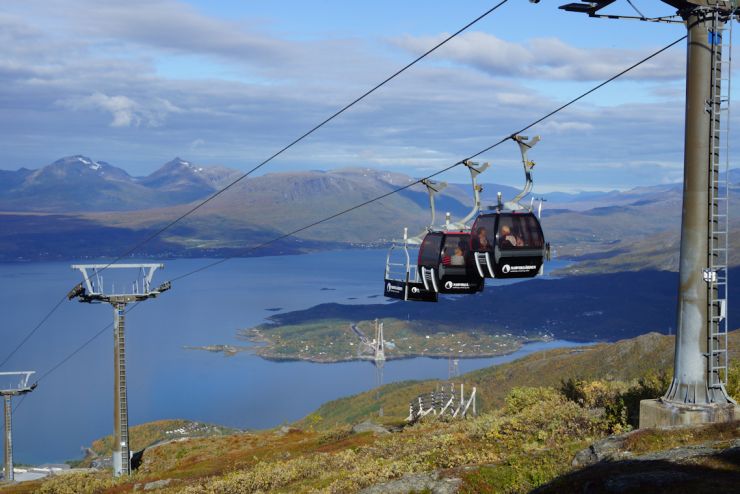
x: 339, y: 340
x: 227, y: 350
x: 498, y: 321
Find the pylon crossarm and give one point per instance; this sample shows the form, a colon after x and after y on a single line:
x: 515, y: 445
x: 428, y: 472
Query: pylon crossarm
x: 92, y: 290
x: 592, y: 8
x: 16, y: 383
x: 724, y: 5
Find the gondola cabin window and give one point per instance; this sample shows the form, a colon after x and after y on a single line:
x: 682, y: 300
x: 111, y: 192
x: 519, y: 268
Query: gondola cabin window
x: 455, y: 251
x: 519, y: 231
x: 431, y: 248
x: 483, y: 237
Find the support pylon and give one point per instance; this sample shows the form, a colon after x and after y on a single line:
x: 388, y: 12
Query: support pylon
x: 20, y: 387
x: 91, y: 291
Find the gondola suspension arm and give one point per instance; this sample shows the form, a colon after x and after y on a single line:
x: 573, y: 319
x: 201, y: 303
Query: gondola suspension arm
x: 525, y: 144
x: 432, y: 189
x: 475, y: 169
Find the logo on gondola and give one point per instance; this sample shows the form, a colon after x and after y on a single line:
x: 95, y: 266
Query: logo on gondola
x: 457, y: 286
x: 390, y: 288
x: 518, y: 269
x: 414, y: 290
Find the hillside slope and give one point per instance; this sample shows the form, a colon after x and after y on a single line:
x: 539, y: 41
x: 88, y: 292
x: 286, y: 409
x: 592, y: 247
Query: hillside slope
x: 526, y: 437
x: 621, y: 361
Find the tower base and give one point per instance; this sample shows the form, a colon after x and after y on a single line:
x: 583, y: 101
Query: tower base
x: 659, y: 413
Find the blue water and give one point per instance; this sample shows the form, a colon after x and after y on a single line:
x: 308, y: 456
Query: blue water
x: 73, y: 405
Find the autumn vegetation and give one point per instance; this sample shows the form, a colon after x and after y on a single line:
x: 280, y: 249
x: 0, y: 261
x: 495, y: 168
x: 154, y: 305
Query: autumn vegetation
x: 526, y: 436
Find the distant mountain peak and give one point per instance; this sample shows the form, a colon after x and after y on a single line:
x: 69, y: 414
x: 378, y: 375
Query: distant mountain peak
x: 94, y: 165
x: 79, y: 159
x: 186, y: 164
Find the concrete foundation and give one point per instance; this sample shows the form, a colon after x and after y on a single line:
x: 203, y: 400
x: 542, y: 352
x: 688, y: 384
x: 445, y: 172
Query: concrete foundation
x: 659, y: 413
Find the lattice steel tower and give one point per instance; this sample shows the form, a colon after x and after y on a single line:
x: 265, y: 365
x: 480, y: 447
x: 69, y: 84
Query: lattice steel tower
x: 91, y: 291
x: 379, y: 361
x: 14, y: 384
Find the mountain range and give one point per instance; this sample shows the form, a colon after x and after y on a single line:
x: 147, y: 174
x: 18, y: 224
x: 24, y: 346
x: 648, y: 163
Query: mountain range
x: 79, y: 207
x: 80, y: 184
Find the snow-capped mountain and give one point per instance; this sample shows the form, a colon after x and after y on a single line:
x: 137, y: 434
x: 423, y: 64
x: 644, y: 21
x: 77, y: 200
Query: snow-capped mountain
x: 75, y: 168
x: 80, y: 183
x: 181, y: 179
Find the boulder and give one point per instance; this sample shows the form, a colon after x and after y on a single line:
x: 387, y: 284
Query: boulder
x: 368, y: 426
x: 417, y: 482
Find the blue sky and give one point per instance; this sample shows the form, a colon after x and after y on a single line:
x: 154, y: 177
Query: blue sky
x: 136, y: 83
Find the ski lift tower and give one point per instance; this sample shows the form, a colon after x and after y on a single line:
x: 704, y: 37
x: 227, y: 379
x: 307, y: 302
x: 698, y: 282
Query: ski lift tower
x: 379, y: 361
x: 12, y: 384
x: 697, y: 393
x: 91, y: 290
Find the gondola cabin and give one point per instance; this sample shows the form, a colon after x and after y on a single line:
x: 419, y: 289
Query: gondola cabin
x: 402, y: 277
x: 446, y: 265
x: 508, y: 244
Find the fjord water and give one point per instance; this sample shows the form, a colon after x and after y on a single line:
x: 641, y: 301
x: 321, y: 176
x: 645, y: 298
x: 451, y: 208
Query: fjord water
x: 73, y: 405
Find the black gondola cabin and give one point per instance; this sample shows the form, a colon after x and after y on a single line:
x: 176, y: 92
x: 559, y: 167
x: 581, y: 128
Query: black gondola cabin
x: 508, y: 244
x: 446, y: 265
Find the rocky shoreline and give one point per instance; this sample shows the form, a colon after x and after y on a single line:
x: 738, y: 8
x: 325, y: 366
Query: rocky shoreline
x: 227, y: 350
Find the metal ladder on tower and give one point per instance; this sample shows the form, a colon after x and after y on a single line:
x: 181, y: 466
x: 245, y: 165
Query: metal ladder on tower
x: 8, y: 467
x: 122, y: 394
x: 717, y: 255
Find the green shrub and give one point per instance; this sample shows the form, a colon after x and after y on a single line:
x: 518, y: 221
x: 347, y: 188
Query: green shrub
x: 620, y: 401
x: 78, y: 483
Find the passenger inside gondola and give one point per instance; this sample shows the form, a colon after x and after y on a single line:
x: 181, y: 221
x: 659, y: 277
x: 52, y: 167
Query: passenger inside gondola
x: 507, y: 239
x: 480, y: 241
x: 458, y: 259
x: 447, y: 256
x: 453, y: 253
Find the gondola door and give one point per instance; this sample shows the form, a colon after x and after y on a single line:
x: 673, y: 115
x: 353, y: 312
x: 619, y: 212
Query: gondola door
x: 445, y: 264
x: 508, y: 244
x: 520, y: 246
x: 429, y: 259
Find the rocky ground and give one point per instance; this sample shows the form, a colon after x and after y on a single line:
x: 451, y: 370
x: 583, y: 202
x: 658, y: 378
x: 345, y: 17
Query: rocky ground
x: 701, y: 460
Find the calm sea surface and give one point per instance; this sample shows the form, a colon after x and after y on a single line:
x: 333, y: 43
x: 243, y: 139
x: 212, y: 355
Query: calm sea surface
x: 73, y: 405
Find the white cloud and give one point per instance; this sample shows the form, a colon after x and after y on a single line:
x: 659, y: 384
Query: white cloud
x: 167, y: 24
x: 197, y: 143
x: 125, y: 111
x: 545, y: 58
x: 61, y: 79
x: 559, y: 127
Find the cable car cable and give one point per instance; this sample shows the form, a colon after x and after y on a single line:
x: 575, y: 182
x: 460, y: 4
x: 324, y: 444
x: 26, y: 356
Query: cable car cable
x: 574, y: 100
x: 324, y: 220
x: 75, y: 352
x: 272, y: 157
x: 30, y: 333
x: 308, y: 133
x: 484, y: 150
